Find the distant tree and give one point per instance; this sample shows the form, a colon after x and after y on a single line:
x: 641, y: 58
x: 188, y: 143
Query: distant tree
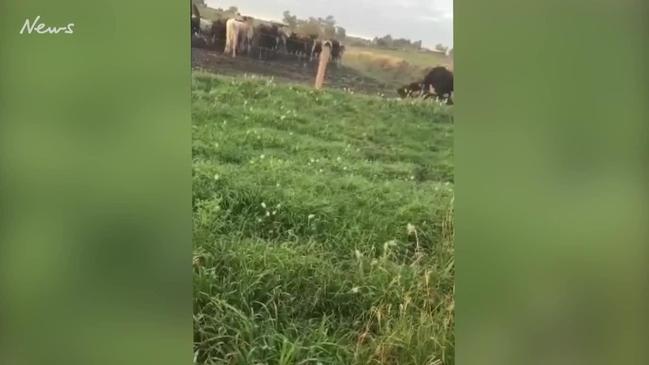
x: 199, y: 2
x: 417, y: 45
x: 440, y: 47
x: 310, y: 27
x: 329, y: 21
x: 385, y: 41
x: 341, y: 33
x: 328, y: 26
x: 290, y: 20
x: 230, y: 12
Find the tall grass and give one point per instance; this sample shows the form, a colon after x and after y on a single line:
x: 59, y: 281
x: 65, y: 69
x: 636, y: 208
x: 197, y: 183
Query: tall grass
x: 323, y: 226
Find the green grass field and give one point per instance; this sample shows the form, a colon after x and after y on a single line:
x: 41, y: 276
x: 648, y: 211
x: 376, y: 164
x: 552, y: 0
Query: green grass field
x: 323, y: 226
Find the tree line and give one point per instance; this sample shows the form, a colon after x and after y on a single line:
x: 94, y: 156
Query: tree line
x: 321, y: 27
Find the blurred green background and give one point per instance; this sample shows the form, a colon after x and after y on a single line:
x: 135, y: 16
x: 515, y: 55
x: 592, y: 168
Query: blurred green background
x: 552, y: 213
x: 95, y: 194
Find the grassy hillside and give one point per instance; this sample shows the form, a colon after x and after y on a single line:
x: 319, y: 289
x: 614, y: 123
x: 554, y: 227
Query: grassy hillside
x: 323, y: 226
x: 393, y: 67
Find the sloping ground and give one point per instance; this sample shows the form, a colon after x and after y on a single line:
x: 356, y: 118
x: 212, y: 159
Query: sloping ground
x: 323, y: 226
x: 392, y: 67
x: 291, y: 71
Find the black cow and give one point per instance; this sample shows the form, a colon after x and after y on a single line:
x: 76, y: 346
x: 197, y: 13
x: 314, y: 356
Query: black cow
x: 439, y: 82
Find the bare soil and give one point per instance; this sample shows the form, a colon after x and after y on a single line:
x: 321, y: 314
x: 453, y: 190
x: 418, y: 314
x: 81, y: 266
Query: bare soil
x: 287, y: 68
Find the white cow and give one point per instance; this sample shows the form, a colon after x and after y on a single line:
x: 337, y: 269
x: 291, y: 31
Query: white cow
x: 238, y: 35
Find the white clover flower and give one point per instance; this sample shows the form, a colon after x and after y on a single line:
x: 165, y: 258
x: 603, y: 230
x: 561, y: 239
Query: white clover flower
x: 311, y: 216
x: 262, y: 156
x: 263, y: 205
x: 267, y: 214
x: 355, y: 290
x: 216, y: 177
x: 410, y: 228
x: 358, y: 254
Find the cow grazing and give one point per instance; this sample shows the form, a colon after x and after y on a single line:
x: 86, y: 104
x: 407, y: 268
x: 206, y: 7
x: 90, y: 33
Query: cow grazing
x: 238, y: 35
x: 439, y: 83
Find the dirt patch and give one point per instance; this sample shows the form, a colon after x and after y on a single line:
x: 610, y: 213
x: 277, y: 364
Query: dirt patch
x: 290, y: 70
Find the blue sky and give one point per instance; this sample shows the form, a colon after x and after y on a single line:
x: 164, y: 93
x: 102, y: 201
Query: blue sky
x: 428, y: 20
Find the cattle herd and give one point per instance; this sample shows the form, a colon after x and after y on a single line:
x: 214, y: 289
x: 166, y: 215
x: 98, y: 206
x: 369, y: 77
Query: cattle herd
x: 242, y: 35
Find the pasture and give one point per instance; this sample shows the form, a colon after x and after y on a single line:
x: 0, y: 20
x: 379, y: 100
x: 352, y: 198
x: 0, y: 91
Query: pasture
x: 416, y: 58
x: 392, y: 67
x: 323, y: 226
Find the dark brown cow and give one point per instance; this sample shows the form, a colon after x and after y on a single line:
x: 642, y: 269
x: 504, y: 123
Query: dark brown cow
x: 300, y: 45
x: 438, y: 83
